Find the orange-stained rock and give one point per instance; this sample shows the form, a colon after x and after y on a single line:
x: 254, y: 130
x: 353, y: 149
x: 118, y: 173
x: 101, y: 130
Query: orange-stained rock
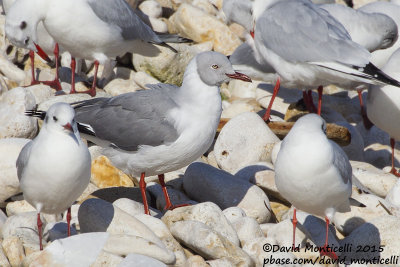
x: 104, y: 174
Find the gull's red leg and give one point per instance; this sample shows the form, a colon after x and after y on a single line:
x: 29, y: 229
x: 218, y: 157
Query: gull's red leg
x: 32, y: 58
x: 142, y: 185
x: 56, y: 82
x: 311, y: 101
x: 294, y: 222
x: 393, y: 170
x: 367, y: 123
x: 306, y: 100
x: 320, y: 89
x: 275, y: 92
x: 69, y: 221
x: 168, y: 205
x: 91, y: 91
x: 39, y: 225
x: 73, y: 66
x: 325, y: 251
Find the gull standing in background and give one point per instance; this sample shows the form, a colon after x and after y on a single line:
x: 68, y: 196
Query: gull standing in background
x: 54, y: 168
x: 155, y: 131
x: 383, y: 105
x: 309, y: 48
x: 313, y: 173
x: 88, y: 29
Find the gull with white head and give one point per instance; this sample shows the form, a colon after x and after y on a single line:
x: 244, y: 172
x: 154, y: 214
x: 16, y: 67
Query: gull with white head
x: 54, y: 168
x: 313, y: 173
x: 88, y: 29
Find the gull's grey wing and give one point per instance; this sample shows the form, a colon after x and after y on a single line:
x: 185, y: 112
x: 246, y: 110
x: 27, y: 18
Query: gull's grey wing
x: 23, y: 158
x: 120, y: 14
x: 130, y: 120
x: 239, y: 11
x: 300, y: 31
x: 244, y: 55
x: 341, y: 162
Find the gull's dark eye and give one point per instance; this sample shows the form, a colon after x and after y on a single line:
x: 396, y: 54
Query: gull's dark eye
x: 55, y: 118
x: 215, y: 66
x: 23, y: 25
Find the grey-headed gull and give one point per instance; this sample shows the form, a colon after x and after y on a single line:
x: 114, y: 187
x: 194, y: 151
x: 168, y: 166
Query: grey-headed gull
x: 383, y: 105
x: 87, y: 29
x: 313, y: 173
x: 155, y: 131
x: 54, y: 168
x: 310, y: 48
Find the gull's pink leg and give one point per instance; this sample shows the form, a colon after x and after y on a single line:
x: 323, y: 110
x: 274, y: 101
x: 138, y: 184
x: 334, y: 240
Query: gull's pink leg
x: 393, y: 170
x: 367, y: 123
x: 142, y: 185
x: 294, y: 222
x: 32, y: 57
x: 69, y: 221
x: 320, y: 89
x: 168, y: 205
x: 39, y: 225
x: 325, y: 251
x: 56, y: 82
x: 275, y: 92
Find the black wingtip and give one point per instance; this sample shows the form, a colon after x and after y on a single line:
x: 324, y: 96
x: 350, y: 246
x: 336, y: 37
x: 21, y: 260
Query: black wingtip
x: 168, y: 46
x: 36, y: 113
x: 378, y: 75
x: 85, y: 129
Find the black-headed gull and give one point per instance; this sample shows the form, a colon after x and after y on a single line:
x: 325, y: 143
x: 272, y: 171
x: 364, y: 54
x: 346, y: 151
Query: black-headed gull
x: 309, y: 48
x: 87, y: 29
x: 155, y: 131
x: 54, y: 168
x: 383, y: 105
x: 313, y: 173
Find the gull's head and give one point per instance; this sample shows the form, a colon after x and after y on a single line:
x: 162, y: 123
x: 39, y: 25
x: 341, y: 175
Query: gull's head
x: 60, y: 117
x: 310, y: 123
x: 21, y: 23
x: 215, y: 68
x: 388, y: 29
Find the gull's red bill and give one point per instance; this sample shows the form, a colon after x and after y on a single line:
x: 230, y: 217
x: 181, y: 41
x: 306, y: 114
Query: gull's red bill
x: 239, y: 76
x: 68, y: 126
x: 41, y: 53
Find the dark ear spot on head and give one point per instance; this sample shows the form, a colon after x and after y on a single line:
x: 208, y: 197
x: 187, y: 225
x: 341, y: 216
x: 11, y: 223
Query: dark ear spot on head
x: 23, y: 25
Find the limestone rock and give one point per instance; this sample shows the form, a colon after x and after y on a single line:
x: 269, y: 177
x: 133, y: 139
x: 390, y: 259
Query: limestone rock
x: 209, y: 243
x: 13, y: 249
x: 9, y: 152
x: 14, y: 123
x: 245, y: 139
x: 207, y: 213
x: 137, y: 260
x: 197, y: 25
x: 104, y: 174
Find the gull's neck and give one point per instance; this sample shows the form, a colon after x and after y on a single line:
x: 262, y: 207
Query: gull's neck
x: 194, y: 90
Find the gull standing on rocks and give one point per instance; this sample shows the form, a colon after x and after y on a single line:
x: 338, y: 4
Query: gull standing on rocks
x: 54, y: 168
x: 45, y: 45
x: 309, y: 48
x: 383, y: 105
x: 155, y: 131
x: 313, y: 173
x: 88, y: 29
